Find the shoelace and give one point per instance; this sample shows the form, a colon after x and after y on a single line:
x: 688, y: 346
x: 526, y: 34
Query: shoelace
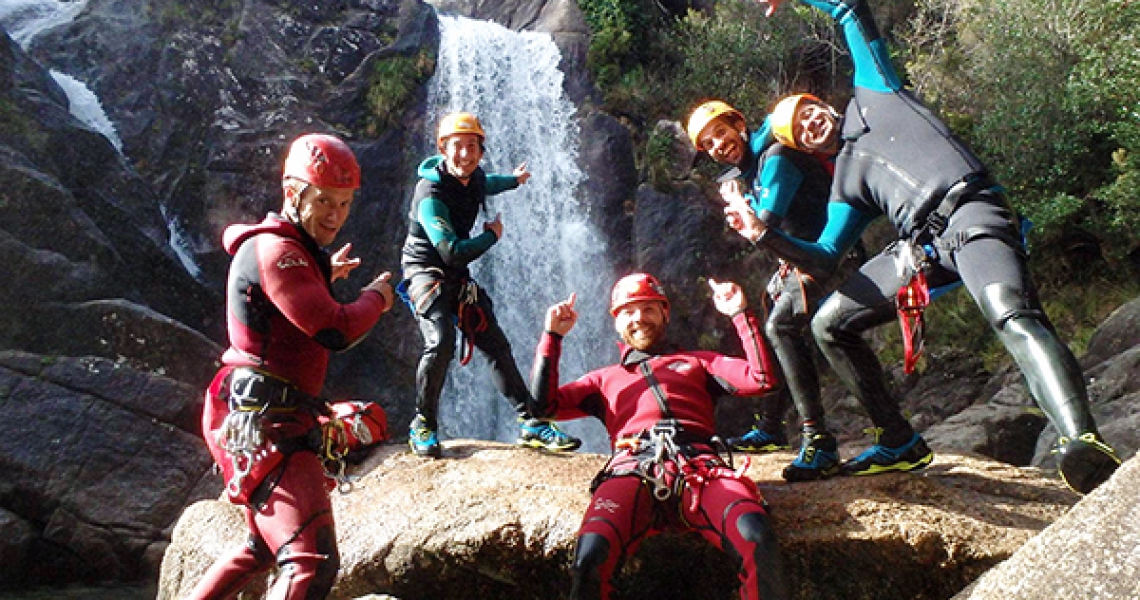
x: 549, y: 433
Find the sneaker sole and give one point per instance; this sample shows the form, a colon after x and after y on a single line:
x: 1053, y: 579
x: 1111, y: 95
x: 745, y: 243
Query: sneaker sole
x: 761, y: 449
x: 899, y: 467
x: 1086, y: 467
x: 537, y: 445
x: 794, y: 474
x: 432, y: 452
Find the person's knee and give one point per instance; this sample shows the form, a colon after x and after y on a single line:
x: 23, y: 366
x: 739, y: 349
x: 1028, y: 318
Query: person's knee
x: 310, y: 574
x: 1003, y: 302
x: 439, y: 340
x: 756, y: 527
x: 825, y: 326
x: 592, y: 552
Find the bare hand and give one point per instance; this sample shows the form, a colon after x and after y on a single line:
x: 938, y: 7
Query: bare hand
x: 495, y: 226
x: 732, y: 191
x: 739, y: 216
x: 728, y: 298
x: 342, y: 264
x: 382, y: 285
x: 521, y: 173
x: 561, y: 317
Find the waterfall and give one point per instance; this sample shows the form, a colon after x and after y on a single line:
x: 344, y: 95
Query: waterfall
x: 511, y: 81
x: 26, y: 19
x: 84, y: 105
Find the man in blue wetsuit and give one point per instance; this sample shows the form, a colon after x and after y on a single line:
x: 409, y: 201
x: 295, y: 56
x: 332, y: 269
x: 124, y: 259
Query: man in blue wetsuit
x: 898, y: 160
x: 787, y: 186
x: 448, y: 199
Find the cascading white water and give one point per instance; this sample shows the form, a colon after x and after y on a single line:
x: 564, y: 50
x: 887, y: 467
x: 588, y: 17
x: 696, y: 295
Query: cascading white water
x: 85, y: 106
x: 511, y: 81
x: 24, y: 20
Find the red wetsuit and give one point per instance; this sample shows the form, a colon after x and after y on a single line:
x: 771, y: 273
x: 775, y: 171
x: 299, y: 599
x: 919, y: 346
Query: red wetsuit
x: 638, y: 496
x: 283, y: 321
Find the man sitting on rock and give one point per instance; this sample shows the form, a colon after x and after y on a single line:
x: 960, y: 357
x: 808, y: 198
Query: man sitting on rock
x: 262, y: 417
x: 657, y: 404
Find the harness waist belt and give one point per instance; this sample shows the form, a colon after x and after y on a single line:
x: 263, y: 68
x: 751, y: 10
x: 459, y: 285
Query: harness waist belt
x: 936, y: 220
x: 251, y: 389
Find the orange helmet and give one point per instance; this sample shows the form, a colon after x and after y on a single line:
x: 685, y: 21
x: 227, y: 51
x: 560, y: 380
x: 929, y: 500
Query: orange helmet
x: 783, y: 118
x: 460, y: 122
x: 635, y: 288
x: 705, y: 114
x: 322, y: 160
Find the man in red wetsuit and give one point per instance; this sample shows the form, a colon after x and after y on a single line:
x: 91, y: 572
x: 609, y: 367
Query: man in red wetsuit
x: 657, y: 404
x: 261, y: 419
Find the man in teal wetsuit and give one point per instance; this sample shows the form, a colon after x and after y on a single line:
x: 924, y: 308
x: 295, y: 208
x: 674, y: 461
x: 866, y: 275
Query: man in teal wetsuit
x: 787, y: 187
x: 898, y: 160
x: 437, y: 251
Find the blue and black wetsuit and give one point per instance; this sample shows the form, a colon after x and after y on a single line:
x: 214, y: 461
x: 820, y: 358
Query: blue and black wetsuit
x: 436, y: 255
x: 788, y: 188
x: 900, y: 161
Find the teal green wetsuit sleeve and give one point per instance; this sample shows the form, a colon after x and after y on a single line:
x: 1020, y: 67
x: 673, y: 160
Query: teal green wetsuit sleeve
x: 845, y: 224
x: 434, y: 217
x: 779, y: 180
x: 497, y: 184
x: 869, y: 52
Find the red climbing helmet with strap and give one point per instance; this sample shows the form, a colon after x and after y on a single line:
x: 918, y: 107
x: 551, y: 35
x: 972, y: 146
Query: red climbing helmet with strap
x: 634, y: 288
x: 322, y: 160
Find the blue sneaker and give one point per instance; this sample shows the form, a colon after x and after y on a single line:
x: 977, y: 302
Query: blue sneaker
x: 423, y: 440
x: 545, y: 435
x: 913, y: 455
x: 1085, y: 462
x: 818, y: 459
x: 759, y: 440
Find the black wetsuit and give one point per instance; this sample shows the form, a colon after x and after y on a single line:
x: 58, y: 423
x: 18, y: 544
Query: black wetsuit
x: 900, y: 161
x: 435, y: 262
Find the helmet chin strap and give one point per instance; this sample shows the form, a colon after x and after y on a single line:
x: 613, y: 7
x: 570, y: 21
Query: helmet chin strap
x: 292, y: 201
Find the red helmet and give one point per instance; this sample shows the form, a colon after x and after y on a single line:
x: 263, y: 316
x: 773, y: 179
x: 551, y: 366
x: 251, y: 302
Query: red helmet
x: 635, y: 288
x: 322, y: 160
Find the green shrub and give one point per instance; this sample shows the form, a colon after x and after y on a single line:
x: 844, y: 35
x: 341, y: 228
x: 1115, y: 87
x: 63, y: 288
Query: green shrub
x: 392, y: 86
x: 1057, y: 117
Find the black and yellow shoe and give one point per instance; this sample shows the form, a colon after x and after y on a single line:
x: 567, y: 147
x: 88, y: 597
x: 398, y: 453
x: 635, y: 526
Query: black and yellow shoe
x: 1085, y: 462
x: 759, y: 440
x: 545, y: 435
x: 423, y: 440
x: 913, y: 455
x: 818, y: 459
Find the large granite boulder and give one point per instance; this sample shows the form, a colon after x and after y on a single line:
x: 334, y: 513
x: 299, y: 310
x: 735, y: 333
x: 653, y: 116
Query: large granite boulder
x: 99, y: 459
x: 1091, y: 552
x: 492, y: 521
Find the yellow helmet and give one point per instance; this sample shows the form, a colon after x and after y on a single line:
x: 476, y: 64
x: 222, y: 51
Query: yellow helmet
x: 460, y: 122
x: 783, y: 118
x: 707, y: 113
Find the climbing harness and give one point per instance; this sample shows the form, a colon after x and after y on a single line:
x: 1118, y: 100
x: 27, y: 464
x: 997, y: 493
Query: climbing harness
x: 470, y: 320
x: 246, y: 433
x: 913, y: 260
x: 667, y: 460
x: 666, y: 457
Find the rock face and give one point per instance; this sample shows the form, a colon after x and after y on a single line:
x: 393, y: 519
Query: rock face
x: 91, y: 485
x: 1091, y: 552
x: 490, y: 521
x: 107, y: 337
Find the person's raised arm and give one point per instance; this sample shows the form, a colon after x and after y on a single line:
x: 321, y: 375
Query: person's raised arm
x: 560, y: 319
x: 757, y: 374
